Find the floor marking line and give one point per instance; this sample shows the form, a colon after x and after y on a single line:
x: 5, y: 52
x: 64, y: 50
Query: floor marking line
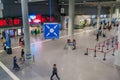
x: 12, y: 75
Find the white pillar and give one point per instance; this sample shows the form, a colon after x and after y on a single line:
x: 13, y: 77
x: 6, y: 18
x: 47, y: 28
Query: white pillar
x: 1, y: 14
x: 98, y: 16
x: 117, y: 12
x: 117, y: 56
x: 71, y: 19
x: 111, y: 13
x: 24, y: 5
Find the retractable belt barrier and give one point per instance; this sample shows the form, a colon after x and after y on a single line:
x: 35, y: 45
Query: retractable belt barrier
x: 100, y: 47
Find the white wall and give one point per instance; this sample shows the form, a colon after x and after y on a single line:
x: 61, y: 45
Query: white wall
x: 1, y: 8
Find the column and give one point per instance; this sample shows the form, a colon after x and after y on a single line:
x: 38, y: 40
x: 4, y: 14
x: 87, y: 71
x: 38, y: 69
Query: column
x: 1, y: 9
x: 111, y: 13
x: 24, y: 5
x: 117, y: 56
x: 98, y: 16
x: 117, y: 12
x: 63, y: 20
x: 50, y: 2
x: 71, y: 19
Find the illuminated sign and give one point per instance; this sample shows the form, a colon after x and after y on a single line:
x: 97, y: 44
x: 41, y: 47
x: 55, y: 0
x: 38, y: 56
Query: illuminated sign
x: 34, y: 19
x: 8, y: 22
x: 37, y: 19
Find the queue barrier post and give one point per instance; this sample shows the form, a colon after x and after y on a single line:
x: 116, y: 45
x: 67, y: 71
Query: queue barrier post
x: 99, y: 46
x: 104, y: 56
x: 104, y: 44
x: 95, y: 53
x: 107, y: 44
x: 86, y: 52
x: 102, y: 48
x: 113, y: 52
x: 113, y: 42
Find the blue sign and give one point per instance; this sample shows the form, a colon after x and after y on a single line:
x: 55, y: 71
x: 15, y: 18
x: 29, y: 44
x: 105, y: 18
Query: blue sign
x: 51, y: 30
x: 8, y: 41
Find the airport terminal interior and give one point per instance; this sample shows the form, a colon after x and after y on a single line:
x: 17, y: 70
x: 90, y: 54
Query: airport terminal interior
x: 59, y: 39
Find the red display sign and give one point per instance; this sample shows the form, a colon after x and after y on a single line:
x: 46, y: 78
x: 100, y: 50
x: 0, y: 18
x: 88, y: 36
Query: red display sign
x: 10, y: 22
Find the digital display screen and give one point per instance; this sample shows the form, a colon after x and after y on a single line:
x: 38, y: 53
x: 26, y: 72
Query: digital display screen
x: 37, y: 19
x: 8, y: 22
x: 11, y: 32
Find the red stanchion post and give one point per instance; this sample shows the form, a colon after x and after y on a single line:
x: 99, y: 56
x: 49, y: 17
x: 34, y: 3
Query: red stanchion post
x: 107, y: 44
x: 95, y: 53
x: 104, y: 56
x: 104, y: 44
x: 99, y: 46
x: 113, y: 52
x: 112, y: 42
x: 86, y: 52
x: 116, y: 39
x: 102, y: 48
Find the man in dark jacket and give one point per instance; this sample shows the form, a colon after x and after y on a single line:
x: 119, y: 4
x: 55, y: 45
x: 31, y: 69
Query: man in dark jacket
x: 54, y: 72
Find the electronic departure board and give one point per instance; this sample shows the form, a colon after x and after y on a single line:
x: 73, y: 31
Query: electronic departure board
x: 9, y: 22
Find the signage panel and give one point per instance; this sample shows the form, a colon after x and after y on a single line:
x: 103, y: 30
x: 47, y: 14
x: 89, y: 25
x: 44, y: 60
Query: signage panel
x: 8, y: 22
x: 51, y: 30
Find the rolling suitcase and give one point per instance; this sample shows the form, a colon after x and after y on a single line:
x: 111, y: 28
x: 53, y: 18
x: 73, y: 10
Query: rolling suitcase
x: 9, y: 50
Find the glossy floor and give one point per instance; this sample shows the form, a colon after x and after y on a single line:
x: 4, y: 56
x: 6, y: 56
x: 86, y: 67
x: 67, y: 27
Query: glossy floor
x: 71, y: 64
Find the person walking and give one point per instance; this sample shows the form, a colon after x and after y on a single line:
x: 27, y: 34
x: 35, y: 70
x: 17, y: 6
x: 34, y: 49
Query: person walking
x: 15, y: 65
x: 54, y: 72
x: 74, y: 44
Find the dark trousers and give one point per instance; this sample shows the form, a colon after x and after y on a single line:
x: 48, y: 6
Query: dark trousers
x: 97, y: 37
x: 55, y: 75
x: 16, y: 66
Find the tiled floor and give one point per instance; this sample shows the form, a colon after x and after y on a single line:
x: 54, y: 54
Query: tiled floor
x: 72, y: 64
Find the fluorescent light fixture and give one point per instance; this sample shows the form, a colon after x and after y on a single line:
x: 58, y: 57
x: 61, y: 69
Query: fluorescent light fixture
x: 19, y: 1
x: 35, y: 0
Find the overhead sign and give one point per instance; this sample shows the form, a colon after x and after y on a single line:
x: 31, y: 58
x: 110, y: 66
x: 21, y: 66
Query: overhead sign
x: 8, y: 22
x: 51, y: 30
x: 37, y: 19
x: 8, y: 41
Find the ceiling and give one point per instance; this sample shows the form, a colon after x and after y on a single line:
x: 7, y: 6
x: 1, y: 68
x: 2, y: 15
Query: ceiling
x: 35, y: 0
x: 78, y: 1
x: 104, y: 3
